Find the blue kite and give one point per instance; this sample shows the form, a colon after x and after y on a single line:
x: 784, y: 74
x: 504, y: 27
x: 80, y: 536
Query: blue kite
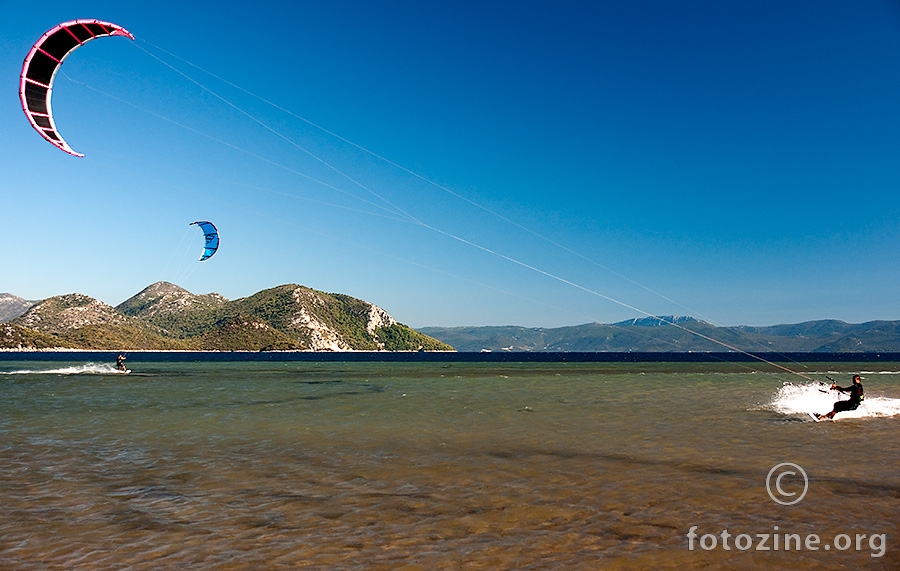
x: 211, y: 235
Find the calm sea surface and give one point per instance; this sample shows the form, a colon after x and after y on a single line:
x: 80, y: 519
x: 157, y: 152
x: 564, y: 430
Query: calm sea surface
x: 276, y: 465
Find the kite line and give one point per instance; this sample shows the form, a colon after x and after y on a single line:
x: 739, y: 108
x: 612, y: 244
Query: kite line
x: 410, y: 218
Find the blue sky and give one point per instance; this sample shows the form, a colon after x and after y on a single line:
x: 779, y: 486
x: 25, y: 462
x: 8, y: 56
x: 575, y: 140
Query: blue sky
x: 735, y: 161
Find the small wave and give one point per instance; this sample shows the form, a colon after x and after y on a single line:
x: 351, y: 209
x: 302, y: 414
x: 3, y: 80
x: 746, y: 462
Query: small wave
x: 86, y: 369
x: 806, y: 398
x: 864, y: 373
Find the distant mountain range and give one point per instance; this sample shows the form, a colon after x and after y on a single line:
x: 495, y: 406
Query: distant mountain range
x: 670, y: 334
x: 165, y: 316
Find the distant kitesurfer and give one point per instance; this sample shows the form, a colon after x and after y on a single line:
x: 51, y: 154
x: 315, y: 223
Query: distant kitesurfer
x: 857, y: 395
x: 120, y: 362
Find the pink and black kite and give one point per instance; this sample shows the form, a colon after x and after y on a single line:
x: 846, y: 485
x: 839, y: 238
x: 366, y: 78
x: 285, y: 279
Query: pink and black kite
x: 41, y: 65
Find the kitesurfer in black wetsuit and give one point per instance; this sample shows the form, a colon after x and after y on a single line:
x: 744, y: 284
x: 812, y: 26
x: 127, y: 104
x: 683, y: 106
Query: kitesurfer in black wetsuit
x: 856, y: 397
x: 120, y: 362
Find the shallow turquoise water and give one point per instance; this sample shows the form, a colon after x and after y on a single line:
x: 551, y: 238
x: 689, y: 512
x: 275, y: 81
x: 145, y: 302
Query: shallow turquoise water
x: 432, y: 466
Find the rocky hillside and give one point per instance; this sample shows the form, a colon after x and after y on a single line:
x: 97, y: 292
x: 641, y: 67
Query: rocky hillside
x: 65, y: 313
x: 165, y: 316
x: 164, y: 299
x: 175, y: 310
x: 82, y: 322
x: 12, y: 306
x: 15, y: 337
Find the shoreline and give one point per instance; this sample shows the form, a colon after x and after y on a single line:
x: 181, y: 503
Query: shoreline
x: 161, y: 355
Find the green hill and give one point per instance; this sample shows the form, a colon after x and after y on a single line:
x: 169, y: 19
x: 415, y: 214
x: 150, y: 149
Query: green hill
x: 165, y: 316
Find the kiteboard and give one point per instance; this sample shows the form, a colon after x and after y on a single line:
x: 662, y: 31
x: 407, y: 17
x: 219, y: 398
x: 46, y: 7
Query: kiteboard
x: 813, y: 416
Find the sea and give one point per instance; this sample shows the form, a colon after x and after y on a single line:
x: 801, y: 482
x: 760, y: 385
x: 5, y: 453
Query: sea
x: 457, y: 461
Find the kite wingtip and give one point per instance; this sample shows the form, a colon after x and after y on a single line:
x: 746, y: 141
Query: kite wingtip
x: 122, y: 32
x: 68, y: 150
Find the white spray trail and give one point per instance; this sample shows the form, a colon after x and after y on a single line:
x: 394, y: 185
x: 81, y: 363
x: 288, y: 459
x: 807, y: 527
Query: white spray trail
x: 86, y: 369
x: 815, y: 397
